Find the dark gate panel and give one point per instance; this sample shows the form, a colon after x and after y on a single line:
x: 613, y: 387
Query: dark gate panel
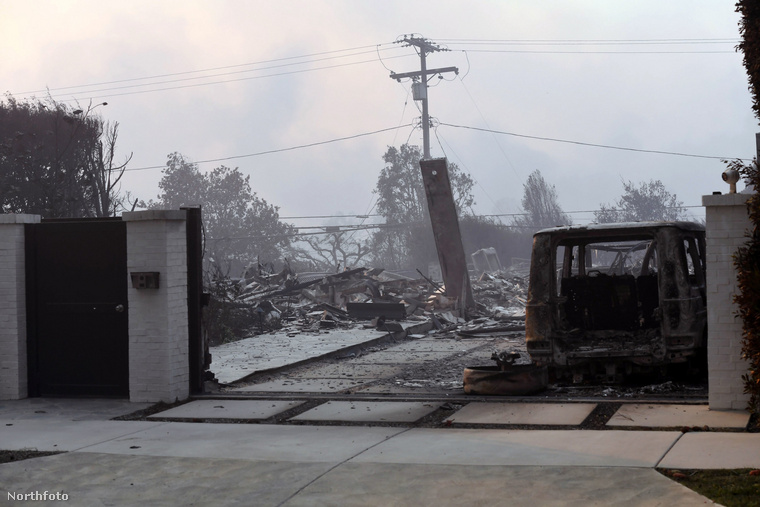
x: 197, y: 347
x: 77, y: 302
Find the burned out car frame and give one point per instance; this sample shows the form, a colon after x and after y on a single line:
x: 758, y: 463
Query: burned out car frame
x: 607, y: 300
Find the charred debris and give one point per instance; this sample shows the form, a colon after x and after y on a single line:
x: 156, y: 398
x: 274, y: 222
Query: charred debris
x: 263, y: 301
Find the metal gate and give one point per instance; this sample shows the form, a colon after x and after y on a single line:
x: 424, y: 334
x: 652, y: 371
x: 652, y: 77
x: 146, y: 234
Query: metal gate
x: 77, y: 315
x: 200, y: 359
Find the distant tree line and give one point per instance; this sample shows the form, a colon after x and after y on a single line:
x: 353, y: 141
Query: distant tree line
x: 240, y: 227
x: 59, y: 161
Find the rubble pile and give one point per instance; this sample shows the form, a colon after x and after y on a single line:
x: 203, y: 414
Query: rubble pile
x: 310, y: 302
x: 502, y: 290
x: 502, y: 296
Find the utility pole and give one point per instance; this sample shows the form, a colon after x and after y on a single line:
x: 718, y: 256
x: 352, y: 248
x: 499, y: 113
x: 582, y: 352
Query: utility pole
x: 420, y: 80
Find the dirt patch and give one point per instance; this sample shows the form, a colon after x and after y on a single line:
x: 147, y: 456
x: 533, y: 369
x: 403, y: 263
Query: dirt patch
x: 139, y: 415
x: 600, y: 416
x: 754, y: 423
x: 20, y: 455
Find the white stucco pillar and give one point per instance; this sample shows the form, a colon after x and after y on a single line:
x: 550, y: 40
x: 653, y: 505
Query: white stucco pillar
x: 726, y: 223
x: 158, y: 323
x: 13, y: 359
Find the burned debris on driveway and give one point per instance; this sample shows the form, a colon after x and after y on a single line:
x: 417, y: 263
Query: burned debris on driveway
x: 301, y: 307
x: 312, y: 301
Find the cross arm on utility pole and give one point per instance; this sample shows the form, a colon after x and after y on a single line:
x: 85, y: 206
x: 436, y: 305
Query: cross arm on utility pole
x: 420, y: 87
x: 403, y: 75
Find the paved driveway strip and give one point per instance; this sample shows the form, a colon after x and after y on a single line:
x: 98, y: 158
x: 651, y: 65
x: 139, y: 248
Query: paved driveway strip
x: 308, y: 444
x: 528, y: 448
x: 710, y: 450
x: 112, y: 479
x: 58, y: 435
x: 677, y: 416
x: 398, y: 485
x: 227, y: 409
x: 91, y: 479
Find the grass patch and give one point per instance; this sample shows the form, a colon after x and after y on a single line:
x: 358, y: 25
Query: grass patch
x: 731, y: 488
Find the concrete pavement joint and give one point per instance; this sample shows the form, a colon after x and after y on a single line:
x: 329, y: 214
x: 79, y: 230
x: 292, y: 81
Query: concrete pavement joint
x: 597, y: 420
x: 668, y: 450
x: 157, y: 425
x: 318, y: 477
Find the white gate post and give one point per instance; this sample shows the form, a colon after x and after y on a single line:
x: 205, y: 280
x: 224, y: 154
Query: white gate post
x: 158, y: 324
x: 726, y: 224
x: 13, y: 369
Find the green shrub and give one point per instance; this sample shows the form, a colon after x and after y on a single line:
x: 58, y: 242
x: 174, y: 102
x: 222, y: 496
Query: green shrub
x: 747, y: 263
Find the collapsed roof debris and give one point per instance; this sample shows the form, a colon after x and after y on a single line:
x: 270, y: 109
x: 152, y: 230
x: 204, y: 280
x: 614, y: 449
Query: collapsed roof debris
x: 308, y: 302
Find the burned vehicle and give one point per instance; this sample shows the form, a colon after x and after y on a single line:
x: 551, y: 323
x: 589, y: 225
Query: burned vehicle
x: 608, y: 300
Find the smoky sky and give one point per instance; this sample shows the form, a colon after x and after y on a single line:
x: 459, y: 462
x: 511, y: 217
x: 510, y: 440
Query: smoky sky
x: 297, y: 94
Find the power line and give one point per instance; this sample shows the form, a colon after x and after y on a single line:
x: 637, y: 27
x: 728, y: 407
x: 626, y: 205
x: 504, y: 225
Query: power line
x: 598, y: 52
x: 92, y: 94
x: 594, y: 43
x: 591, y: 43
x: 482, y: 117
x: 364, y: 134
x: 726, y: 40
x: 299, y: 234
x: 212, y: 69
x: 367, y: 227
x: 280, y: 150
x: 573, y: 212
x: 482, y: 188
x: 239, y: 72
x: 330, y: 216
x: 360, y: 50
x: 576, y: 212
x: 610, y: 147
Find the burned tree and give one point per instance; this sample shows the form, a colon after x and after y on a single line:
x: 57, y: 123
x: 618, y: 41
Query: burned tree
x: 331, y: 250
x: 648, y: 202
x: 240, y: 227
x: 540, y: 205
x: 407, y: 239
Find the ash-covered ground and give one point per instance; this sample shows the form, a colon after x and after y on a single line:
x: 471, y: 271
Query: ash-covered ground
x: 433, y: 366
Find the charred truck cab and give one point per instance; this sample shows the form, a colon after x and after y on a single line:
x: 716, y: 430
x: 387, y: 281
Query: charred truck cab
x: 605, y: 300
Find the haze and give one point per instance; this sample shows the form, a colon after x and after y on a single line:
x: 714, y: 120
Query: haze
x: 222, y: 79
